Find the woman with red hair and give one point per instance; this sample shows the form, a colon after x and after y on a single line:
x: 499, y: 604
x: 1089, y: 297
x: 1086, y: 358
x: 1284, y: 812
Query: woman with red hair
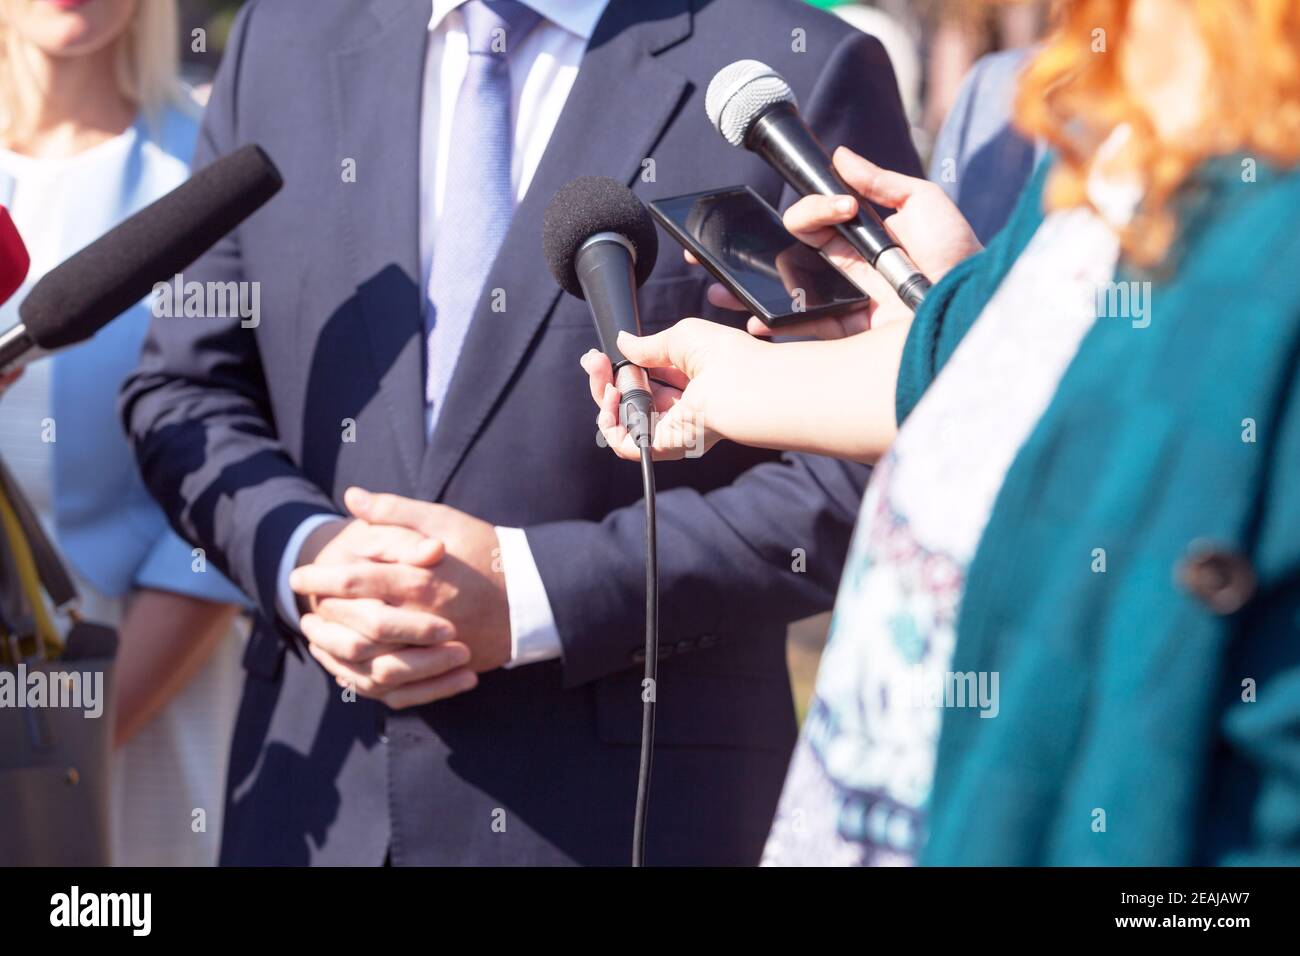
x: 1067, y: 631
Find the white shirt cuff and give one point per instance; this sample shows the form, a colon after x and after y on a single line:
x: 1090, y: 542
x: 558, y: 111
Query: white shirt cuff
x: 533, y: 634
x: 285, y: 600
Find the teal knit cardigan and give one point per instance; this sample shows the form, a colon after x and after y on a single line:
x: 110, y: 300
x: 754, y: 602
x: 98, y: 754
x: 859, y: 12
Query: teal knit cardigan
x: 1143, y: 717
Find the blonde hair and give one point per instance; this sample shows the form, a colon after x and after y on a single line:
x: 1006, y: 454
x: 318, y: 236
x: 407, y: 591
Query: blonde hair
x: 1072, y: 97
x: 146, y: 63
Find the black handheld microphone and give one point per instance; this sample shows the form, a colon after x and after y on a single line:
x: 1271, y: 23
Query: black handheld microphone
x: 79, y: 297
x: 600, y: 243
x: 753, y: 107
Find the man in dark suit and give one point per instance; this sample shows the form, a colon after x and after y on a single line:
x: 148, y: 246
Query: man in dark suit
x: 490, y: 701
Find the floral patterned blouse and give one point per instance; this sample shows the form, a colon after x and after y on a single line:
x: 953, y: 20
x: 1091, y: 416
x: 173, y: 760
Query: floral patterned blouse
x: 859, y: 782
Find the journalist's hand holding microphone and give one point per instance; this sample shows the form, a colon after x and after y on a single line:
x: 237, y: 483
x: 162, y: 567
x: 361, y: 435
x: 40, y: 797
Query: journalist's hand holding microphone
x: 925, y: 222
x: 694, y: 367
x: 826, y: 397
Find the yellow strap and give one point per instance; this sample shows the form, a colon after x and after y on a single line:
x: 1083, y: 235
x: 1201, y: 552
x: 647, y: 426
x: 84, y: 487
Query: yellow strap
x: 29, y: 578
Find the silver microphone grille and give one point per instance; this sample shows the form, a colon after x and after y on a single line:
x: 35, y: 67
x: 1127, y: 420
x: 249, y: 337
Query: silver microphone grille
x: 741, y: 93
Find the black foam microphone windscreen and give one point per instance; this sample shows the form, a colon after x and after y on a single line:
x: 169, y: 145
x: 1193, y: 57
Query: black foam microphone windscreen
x: 80, y: 296
x: 588, y: 206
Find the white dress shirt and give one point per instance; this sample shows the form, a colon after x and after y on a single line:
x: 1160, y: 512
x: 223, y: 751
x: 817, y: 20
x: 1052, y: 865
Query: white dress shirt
x: 542, y: 70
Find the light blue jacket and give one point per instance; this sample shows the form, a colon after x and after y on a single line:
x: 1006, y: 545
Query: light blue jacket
x: 107, y: 526
x: 980, y: 159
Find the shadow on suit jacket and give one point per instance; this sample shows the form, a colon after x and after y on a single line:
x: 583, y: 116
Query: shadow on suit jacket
x: 238, y: 433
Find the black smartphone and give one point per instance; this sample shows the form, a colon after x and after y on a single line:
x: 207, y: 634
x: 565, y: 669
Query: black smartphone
x: 741, y: 240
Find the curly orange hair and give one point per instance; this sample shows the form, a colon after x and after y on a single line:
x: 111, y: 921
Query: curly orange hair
x: 1074, y: 94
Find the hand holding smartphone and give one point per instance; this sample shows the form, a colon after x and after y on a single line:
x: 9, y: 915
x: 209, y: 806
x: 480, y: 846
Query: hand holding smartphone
x: 743, y: 243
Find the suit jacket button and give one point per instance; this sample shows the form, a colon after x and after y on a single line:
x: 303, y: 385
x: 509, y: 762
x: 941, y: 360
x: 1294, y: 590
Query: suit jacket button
x: 1222, y: 580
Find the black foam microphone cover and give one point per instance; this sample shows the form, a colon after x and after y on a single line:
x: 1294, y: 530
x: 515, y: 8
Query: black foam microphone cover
x: 585, y: 207
x: 80, y: 296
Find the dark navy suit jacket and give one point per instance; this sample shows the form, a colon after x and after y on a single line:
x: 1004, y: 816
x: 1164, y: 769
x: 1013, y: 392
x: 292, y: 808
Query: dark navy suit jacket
x: 238, y: 434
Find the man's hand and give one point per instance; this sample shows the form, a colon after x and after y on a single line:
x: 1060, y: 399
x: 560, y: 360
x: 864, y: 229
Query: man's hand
x: 351, y: 541
x: 401, y: 655
x: 464, y: 588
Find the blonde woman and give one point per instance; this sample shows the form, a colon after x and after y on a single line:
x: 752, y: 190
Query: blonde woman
x: 1068, y: 631
x: 93, y: 126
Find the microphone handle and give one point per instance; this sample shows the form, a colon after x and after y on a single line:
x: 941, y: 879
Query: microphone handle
x: 606, y: 271
x: 605, y: 266
x: 15, y: 343
x: 785, y: 141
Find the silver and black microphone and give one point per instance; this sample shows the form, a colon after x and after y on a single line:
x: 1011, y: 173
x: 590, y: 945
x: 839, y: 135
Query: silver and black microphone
x: 754, y: 108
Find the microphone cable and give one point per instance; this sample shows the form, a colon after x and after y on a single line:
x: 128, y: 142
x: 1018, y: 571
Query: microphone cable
x: 649, y: 684
x: 600, y: 243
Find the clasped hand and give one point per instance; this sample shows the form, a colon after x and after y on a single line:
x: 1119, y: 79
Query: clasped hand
x: 407, y: 602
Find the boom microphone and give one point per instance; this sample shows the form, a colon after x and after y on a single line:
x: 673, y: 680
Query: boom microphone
x: 14, y: 260
x: 600, y: 244
x: 79, y: 297
x: 753, y: 107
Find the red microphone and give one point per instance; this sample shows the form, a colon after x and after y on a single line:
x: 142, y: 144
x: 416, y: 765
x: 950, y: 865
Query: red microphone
x: 14, y: 260
x: 14, y: 263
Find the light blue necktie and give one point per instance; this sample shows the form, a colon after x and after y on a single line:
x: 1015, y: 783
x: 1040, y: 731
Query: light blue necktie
x: 478, y: 199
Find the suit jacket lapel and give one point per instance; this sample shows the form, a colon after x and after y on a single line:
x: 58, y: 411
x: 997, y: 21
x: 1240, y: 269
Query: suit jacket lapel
x: 378, y: 85
x: 619, y: 104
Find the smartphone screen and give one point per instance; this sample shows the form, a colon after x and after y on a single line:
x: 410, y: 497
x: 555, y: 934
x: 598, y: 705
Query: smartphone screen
x: 742, y: 241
